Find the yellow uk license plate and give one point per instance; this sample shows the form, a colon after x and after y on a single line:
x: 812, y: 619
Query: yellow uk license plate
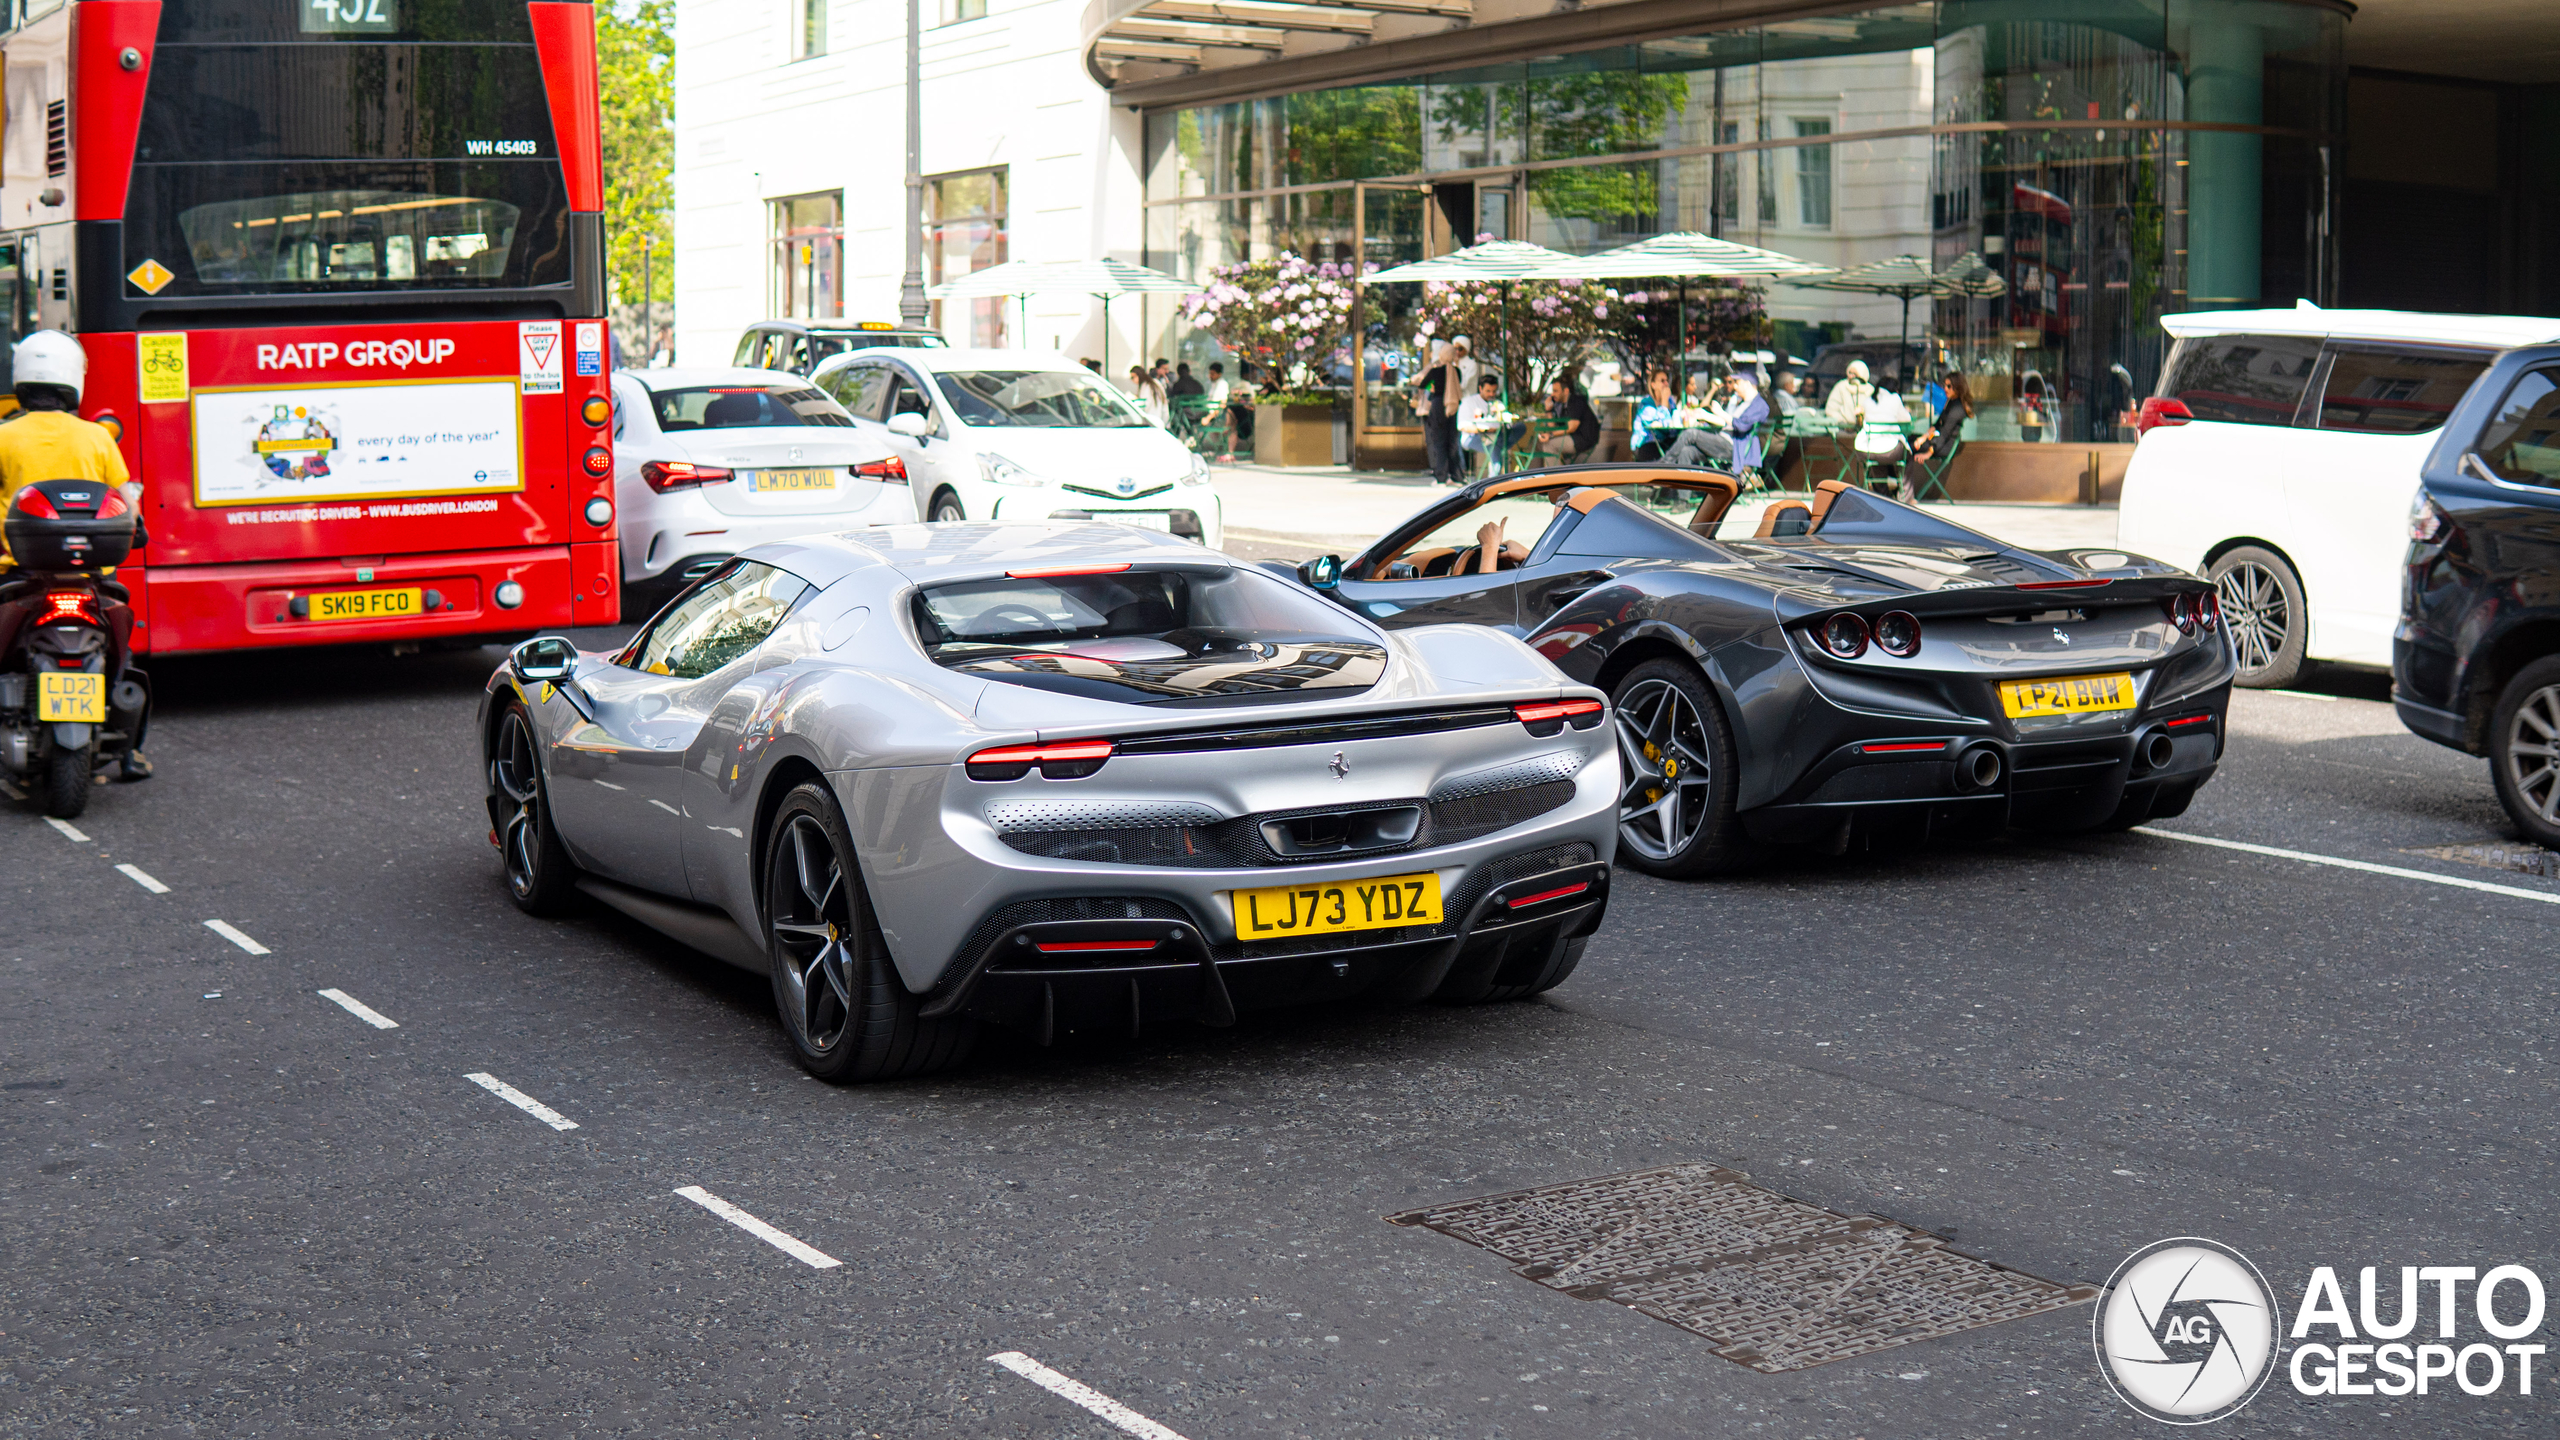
x: 2072, y: 695
x: 792, y: 480
x: 364, y: 604
x: 64, y: 696
x: 1384, y: 903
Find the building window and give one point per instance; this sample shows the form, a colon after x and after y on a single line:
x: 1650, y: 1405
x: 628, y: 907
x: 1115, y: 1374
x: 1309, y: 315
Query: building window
x: 1813, y: 177
x: 808, y: 251
x: 963, y: 233
x: 1727, y: 189
x: 955, y: 11
x: 1764, y: 164
x: 808, y: 29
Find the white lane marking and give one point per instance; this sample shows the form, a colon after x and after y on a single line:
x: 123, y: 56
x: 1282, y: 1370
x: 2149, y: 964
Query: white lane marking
x: 360, y: 1010
x: 805, y: 1254
x: 2367, y: 866
x: 135, y: 874
x: 523, y: 1102
x: 69, y: 830
x: 230, y: 932
x: 1077, y: 1393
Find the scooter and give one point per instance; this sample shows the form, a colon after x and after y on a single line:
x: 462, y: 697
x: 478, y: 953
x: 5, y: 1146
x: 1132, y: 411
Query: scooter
x: 72, y: 703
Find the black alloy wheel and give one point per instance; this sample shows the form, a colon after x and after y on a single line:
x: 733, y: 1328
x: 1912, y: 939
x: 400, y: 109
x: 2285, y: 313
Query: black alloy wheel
x: 946, y: 507
x: 541, y: 879
x: 1676, y: 812
x: 848, y: 1015
x: 2524, y: 751
x: 2263, y: 612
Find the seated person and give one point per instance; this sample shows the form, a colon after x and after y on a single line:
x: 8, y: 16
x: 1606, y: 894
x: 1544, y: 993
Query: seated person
x: 1582, y: 433
x: 1656, y: 424
x: 1734, y: 441
x: 1492, y: 552
x: 1481, y: 428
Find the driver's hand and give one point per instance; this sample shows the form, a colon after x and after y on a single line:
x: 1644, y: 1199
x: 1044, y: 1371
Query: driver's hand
x: 1490, y: 532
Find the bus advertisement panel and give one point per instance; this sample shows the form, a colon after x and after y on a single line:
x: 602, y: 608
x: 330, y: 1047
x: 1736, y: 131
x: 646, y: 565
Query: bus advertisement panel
x: 339, y: 272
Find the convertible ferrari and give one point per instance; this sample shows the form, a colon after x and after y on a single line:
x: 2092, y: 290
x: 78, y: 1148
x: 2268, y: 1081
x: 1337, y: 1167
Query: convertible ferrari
x: 1059, y: 777
x: 1851, y: 669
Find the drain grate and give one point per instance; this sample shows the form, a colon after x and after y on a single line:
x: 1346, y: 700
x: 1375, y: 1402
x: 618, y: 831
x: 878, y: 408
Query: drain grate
x: 1775, y: 1283
x: 2524, y: 859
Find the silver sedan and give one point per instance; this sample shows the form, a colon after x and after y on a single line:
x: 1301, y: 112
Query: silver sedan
x: 1057, y: 777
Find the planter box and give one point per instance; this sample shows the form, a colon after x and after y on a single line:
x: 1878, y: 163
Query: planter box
x: 2018, y: 472
x: 1293, y: 434
x: 1389, y: 448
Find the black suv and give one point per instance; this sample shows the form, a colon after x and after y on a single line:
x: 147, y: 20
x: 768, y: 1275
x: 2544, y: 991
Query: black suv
x: 2477, y: 655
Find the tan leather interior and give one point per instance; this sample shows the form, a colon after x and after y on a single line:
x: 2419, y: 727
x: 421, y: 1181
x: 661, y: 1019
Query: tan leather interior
x: 1582, y: 491
x: 1770, y: 517
x: 1824, y: 495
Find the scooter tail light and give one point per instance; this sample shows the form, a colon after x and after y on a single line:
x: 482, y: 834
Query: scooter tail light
x: 36, y: 505
x: 1056, y: 760
x: 113, y: 506
x: 69, y: 605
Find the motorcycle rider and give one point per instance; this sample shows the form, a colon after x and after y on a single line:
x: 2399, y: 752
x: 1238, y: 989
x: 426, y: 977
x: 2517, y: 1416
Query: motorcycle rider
x: 47, y: 440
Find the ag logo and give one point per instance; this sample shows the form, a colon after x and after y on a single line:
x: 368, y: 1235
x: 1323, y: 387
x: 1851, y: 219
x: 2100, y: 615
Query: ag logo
x: 2187, y: 1330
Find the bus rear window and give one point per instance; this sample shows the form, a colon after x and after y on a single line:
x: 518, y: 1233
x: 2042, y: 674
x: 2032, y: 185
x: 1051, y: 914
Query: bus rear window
x: 350, y: 236
x: 745, y: 407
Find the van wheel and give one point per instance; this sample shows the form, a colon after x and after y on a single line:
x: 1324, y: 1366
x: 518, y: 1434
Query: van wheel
x: 946, y: 508
x: 2524, y: 751
x: 2262, y: 608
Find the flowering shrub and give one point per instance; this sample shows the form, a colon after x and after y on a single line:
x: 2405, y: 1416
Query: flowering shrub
x: 1721, y: 318
x: 1289, y: 315
x: 1545, y: 328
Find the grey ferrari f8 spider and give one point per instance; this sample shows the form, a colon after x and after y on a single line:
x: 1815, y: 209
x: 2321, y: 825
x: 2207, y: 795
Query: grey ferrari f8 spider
x: 1062, y: 777
x: 1850, y: 668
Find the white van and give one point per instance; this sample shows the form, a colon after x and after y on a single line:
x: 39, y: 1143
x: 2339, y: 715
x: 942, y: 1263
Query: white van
x: 2279, y: 456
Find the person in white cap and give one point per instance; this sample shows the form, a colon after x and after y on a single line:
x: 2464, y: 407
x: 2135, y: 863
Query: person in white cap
x: 1462, y: 353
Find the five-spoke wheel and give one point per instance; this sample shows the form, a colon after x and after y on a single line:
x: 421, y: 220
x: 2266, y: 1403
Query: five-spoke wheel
x: 813, y: 937
x: 540, y: 878
x: 1675, y: 756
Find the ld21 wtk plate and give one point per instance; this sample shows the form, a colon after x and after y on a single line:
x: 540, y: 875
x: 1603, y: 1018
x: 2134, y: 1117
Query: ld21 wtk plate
x: 2070, y: 695
x: 1385, y: 903
x: 67, y: 695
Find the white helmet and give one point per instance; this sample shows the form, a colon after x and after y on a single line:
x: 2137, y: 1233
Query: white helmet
x: 49, y: 357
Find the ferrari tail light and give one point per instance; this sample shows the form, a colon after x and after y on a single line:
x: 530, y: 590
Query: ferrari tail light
x: 1056, y: 760
x: 36, y: 505
x: 666, y: 475
x: 1845, y: 636
x: 2182, y: 610
x: 892, y: 471
x: 1549, y: 717
x: 2157, y: 411
x: 1898, y: 634
x: 2209, y: 609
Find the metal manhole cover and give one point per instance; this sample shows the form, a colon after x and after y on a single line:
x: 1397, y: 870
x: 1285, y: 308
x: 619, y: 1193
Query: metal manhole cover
x: 1775, y: 1283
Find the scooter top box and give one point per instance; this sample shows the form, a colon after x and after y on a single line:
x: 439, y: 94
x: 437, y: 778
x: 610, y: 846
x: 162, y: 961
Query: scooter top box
x: 69, y: 525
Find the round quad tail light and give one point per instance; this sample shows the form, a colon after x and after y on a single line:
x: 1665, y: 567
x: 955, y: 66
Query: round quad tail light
x: 2209, y: 609
x: 2182, y: 609
x: 1845, y: 636
x: 1898, y: 633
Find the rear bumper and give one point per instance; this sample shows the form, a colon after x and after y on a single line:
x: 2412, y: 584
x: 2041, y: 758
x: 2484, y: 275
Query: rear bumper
x: 1049, y: 976
x: 236, y: 607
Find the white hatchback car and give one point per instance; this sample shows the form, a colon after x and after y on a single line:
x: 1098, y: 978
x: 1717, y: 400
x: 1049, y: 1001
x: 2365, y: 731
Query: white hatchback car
x: 709, y: 462
x: 2280, y: 456
x: 1023, y: 435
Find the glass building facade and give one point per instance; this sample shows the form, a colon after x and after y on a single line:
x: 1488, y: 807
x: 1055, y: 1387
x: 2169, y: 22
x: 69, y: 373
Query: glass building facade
x: 2112, y: 160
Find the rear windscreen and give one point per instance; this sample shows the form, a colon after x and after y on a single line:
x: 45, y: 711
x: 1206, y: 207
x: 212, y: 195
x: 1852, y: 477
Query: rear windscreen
x: 744, y: 407
x: 297, y: 146
x: 1148, y: 637
x: 2250, y: 379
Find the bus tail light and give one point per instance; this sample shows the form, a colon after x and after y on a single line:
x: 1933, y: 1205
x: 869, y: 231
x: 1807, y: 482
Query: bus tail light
x: 1057, y: 760
x: 598, y: 461
x: 106, y: 420
x: 892, y: 471
x: 666, y: 475
x: 2157, y: 411
x: 596, y: 411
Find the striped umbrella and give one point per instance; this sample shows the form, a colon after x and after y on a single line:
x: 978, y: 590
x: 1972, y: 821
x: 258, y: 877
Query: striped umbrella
x: 1909, y: 277
x: 1685, y: 256
x: 1101, y: 279
x: 1501, y: 261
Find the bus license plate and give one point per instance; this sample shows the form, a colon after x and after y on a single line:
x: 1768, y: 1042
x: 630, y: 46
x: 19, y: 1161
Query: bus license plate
x: 2072, y: 695
x: 364, y: 604
x: 764, y: 480
x: 1380, y: 904
x: 62, y: 695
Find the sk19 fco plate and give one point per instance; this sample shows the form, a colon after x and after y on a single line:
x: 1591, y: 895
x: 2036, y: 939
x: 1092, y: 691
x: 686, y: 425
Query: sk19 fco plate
x: 363, y: 604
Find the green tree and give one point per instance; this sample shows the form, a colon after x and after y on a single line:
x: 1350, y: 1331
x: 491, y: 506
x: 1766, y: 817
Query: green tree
x: 636, y: 59
x: 1605, y: 112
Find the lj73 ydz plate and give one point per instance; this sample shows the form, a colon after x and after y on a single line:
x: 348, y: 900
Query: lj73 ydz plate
x: 1385, y: 903
x: 364, y: 604
x: 70, y: 695
x: 2070, y: 695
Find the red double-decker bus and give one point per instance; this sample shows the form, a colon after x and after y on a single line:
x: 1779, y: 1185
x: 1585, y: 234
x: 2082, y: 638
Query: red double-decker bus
x: 339, y: 269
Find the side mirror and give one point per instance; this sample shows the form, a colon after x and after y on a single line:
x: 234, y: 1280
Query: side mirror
x: 910, y: 424
x: 543, y: 658
x: 1322, y: 573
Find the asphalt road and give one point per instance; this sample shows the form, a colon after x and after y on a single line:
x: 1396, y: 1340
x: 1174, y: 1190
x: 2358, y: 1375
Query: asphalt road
x: 231, y: 1207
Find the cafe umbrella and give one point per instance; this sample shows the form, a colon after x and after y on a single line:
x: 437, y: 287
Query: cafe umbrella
x: 1102, y: 279
x: 1684, y: 256
x: 1504, y: 262
x: 1909, y: 277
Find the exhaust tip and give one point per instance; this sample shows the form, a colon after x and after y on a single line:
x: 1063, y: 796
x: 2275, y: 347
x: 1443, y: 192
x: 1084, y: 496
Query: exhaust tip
x: 2157, y: 750
x: 1979, y: 768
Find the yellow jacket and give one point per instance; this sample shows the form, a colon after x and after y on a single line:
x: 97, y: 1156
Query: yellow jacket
x: 55, y: 445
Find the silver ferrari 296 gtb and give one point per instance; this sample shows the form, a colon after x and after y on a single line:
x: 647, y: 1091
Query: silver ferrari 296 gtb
x: 1056, y: 777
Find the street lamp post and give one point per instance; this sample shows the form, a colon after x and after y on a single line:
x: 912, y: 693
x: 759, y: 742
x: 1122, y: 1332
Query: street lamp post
x: 911, y: 306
